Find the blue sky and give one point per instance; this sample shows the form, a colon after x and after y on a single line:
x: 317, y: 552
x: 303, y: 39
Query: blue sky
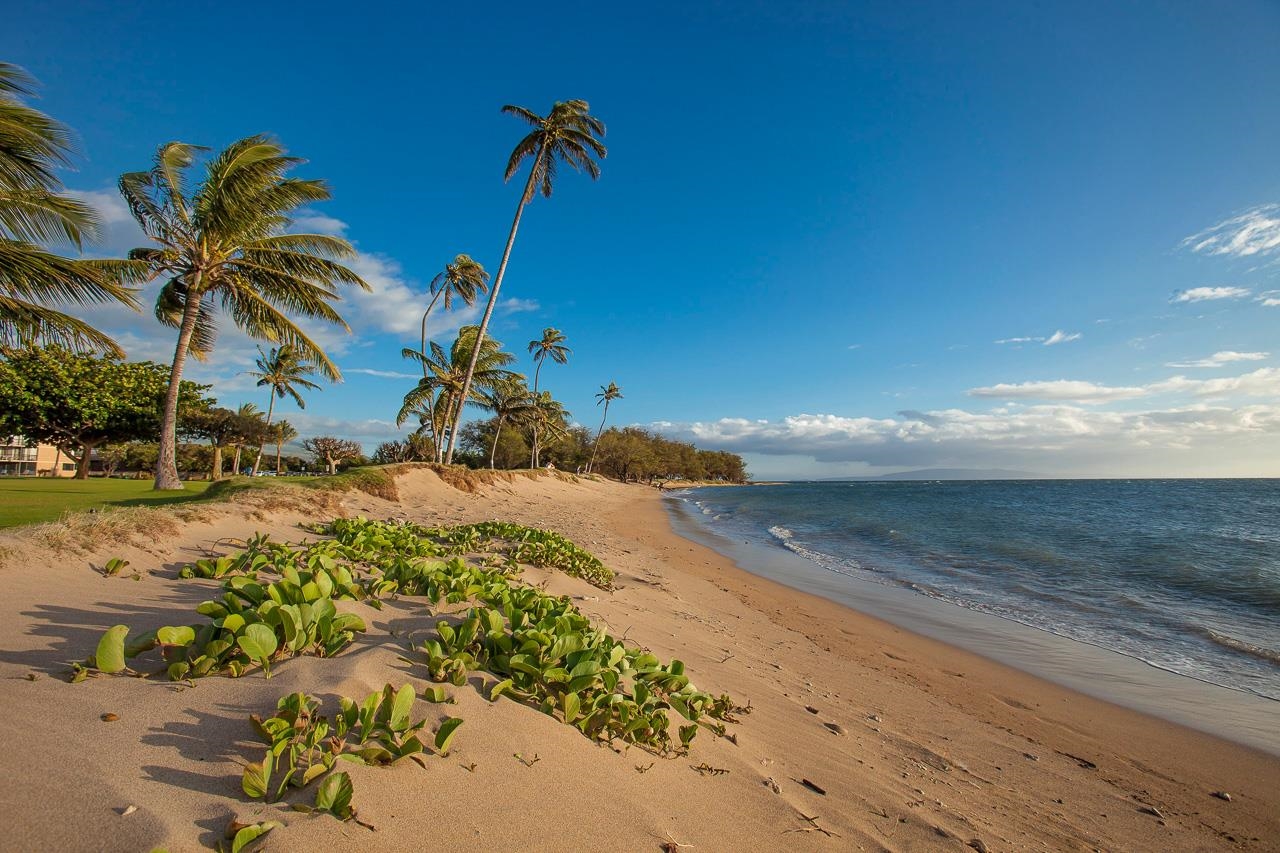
x: 814, y: 224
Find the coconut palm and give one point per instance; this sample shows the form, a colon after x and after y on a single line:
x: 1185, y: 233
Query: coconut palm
x: 227, y: 244
x: 250, y: 428
x: 509, y: 401
x: 284, y: 372
x: 465, y: 279
x: 566, y: 134
x: 34, y: 213
x: 441, y: 391
x: 282, y: 433
x: 550, y: 345
x: 608, y: 393
x: 548, y: 416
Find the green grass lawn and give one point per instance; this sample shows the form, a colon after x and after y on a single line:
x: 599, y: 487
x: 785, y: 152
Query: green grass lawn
x: 31, y: 500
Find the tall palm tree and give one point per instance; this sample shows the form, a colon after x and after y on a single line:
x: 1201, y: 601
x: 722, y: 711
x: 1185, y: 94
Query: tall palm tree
x: 284, y: 372
x: 227, y: 244
x: 509, y: 401
x: 282, y: 433
x: 547, y: 415
x: 441, y: 390
x: 550, y: 345
x: 465, y: 279
x: 608, y: 393
x: 567, y: 134
x: 34, y: 213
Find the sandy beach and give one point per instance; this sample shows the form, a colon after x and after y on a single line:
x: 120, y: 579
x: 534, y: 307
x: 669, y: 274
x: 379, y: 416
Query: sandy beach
x: 861, y: 736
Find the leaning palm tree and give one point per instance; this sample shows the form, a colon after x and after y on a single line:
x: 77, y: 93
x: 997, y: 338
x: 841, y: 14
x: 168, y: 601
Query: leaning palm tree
x: 284, y: 372
x: 509, y: 401
x: 567, y: 134
x: 465, y: 279
x: 608, y: 393
x: 550, y: 345
x: 33, y: 214
x: 227, y: 244
x: 441, y: 390
x: 281, y: 434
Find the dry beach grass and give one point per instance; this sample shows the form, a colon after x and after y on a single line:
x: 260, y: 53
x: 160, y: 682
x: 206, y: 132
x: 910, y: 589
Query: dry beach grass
x: 861, y: 735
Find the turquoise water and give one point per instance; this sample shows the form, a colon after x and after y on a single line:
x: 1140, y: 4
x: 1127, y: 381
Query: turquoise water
x: 1183, y: 575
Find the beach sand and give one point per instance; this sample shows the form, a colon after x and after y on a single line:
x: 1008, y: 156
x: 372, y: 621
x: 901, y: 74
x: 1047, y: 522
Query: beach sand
x: 917, y: 745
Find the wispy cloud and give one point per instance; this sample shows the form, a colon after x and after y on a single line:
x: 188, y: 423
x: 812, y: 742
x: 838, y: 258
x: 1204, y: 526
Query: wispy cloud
x: 1263, y: 382
x: 854, y: 346
x: 1270, y: 298
x: 1204, y: 294
x: 1058, y: 337
x: 1254, y: 232
x: 1065, y: 390
x: 384, y: 374
x: 1218, y: 359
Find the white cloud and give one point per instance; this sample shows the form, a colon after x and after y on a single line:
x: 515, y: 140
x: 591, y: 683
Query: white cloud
x: 311, y: 222
x: 854, y: 346
x: 1058, y: 337
x: 1075, y: 391
x: 384, y: 374
x: 1254, y: 232
x: 1220, y: 358
x: 1263, y: 382
x: 1270, y: 298
x: 1061, y: 337
x: 1049, y: 437
x: 1202, y: 294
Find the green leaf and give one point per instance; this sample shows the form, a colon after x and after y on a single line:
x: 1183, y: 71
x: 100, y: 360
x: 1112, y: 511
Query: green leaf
x: 257, y: 777
x: 233, y: 623
x: 249, y: 834
x: 258, y: 642
x: 444, y: 735
x: 110, y: 654
x: 182, y: 635
x: 436, y: 693
x: 400, y: 708
x: 334, y: 795
x: 499, y: 688
x: 571, y: 706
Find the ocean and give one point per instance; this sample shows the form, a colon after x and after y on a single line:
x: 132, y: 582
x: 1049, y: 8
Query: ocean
x: 1181, y: 575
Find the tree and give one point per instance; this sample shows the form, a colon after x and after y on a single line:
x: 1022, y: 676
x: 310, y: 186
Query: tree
x: 567, y: 134
x: 465, y: 279
x: 282, y: 432
x: 509, y: 401
x: 608, y: 393
x: 331, y: 450
x: 439, y: 393
x: 79, y: 401
x: 227, y: 244
x: 34, y: 213
x: 284, y: 372
x: 550, y: 345
x: 547, y: 415
x: 219, y: 427
x: 250, y: 428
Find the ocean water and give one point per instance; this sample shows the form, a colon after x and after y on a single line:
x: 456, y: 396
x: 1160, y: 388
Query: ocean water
x: 1183, y: 575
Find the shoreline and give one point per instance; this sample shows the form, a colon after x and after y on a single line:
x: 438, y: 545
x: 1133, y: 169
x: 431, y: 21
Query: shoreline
x: 1092, y: 669
x: 914, y: 744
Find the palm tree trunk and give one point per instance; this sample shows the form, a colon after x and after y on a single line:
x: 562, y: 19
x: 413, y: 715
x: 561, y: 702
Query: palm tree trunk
x: 533, y: 450
x: 425, y: 314
x: 525, y: 197
x: 279, y: 448
x: 167, y: 463
x: 271, y: 407
x: 494, y: 450
x: 596, y: 444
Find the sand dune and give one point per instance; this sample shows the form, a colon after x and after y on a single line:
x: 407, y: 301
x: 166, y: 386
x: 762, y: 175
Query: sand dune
x: 917, y: 745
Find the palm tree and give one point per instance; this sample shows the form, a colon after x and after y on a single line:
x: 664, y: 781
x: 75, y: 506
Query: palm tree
x: 509, y: 401
x: 608, y: 393
x: 567, y: 134
x: 282, y: 433
x: 249, y: 428
x: 33, y: 213
x: 464, y: 278
x: 440, y: 391
x: 547, y: 415
x: 284, y: 372
x: 550, y: 345
x: 226, y: 244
